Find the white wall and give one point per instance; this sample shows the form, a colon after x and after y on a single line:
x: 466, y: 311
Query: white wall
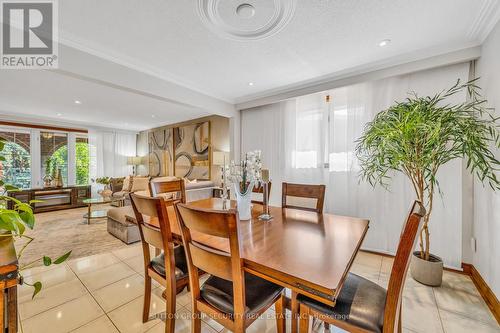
x: 486, y: 227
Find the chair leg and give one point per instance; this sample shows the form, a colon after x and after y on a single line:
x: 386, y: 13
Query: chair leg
x: 280, y: 314
x: 304, y: 319
x: 170, y: 300
x: 196, y: 322
x: 147, y: 298
x: 327, y: 327
x: 239, y: 326
x: 400, y: 322
x: 295, y: 311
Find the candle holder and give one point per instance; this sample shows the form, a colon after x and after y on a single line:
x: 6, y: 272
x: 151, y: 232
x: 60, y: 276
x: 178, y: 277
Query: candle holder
x: 265, y: 216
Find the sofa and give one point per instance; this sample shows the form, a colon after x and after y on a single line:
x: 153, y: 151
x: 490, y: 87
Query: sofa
x: 121, y: 220
x: 123, y: 186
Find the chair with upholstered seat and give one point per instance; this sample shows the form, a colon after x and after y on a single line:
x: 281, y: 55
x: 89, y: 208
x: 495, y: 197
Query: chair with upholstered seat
x: 168, y: 268
x: 230, y: 296
x: 303, y: 191
x: 362, y: 305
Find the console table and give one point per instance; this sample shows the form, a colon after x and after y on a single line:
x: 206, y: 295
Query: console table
x: 53, y: 198
x: 8, y: 285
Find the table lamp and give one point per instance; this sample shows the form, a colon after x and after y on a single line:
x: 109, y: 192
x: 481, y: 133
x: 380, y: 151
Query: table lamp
x: 220, y: 158
x: 133, y: 161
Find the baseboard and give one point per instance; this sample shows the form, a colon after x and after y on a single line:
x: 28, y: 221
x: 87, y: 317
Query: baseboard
x: 481, y: 285
x: 486, y: 292
x: 388, y: 255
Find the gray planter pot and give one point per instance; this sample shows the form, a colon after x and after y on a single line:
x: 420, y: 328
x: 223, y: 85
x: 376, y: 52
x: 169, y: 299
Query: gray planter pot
x: 428, y: 272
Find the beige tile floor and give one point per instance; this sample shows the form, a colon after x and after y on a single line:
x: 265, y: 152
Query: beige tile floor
x: 104, y: 293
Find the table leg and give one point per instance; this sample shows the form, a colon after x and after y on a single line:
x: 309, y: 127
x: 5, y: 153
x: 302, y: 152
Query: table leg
x: 89, y: 211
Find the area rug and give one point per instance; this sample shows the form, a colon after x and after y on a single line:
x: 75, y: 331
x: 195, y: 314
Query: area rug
x: 57, y: 232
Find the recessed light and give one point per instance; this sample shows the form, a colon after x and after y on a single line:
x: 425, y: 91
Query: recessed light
x: 250, y: 83
x: 78, y: 102
x: 384, y: 42
x: 245, y: 10
x: 59, y: 114
x: 153, y: 116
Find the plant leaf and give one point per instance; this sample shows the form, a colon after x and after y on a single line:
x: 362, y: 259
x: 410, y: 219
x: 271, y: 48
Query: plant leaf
x: 38, y: 287
x: 28, y: 219
x: 47, y: 261
x: 62, y: 258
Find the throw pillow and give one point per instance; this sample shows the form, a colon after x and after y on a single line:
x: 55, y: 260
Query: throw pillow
x: 140, y: 184
x: 127, y: 184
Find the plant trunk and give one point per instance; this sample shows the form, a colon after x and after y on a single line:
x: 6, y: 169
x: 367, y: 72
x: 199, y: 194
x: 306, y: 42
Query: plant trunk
x: 424, y: 233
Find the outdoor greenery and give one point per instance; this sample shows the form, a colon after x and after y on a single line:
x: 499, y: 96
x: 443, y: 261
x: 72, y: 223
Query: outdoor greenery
x: 419, y: 135
x: 59, y: 159
x: 13, y: 223
x: 102, y: 180
x: 16, y: 165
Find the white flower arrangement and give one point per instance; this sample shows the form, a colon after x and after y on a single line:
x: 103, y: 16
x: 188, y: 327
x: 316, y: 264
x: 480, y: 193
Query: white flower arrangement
x: 247, y: 172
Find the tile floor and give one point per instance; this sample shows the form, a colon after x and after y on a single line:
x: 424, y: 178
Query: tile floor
x: 103, y: 293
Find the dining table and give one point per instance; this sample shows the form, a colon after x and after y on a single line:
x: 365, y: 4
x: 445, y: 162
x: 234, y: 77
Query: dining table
x: 310, y: 253
x: 307, y: 252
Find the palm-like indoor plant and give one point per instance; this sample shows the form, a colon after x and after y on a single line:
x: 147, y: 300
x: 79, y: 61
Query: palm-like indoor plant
x: 13, y: 224
x: 418, y: 136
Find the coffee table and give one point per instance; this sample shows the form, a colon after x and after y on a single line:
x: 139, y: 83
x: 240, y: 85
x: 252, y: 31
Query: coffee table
x: 97, y: 214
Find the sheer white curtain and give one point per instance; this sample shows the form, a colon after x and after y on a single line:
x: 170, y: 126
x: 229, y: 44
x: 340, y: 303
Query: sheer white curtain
x: 109, y: 151
x: 309, y: 140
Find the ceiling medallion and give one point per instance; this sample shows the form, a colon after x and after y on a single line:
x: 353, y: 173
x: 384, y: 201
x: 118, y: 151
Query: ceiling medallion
x: 246, y: 19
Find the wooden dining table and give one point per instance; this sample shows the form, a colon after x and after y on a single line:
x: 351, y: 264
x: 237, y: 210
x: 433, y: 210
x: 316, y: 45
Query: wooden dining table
x: 304, y: 251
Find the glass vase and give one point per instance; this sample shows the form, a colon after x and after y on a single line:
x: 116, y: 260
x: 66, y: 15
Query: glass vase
x: 244, y: 201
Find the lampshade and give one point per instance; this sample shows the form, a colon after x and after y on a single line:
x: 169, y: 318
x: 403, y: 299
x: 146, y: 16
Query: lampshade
x: 218, y: 157
x: 134, y: 160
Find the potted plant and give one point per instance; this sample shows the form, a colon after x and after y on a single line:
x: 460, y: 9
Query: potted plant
x: 105, y: 181
x: 244, y: 177
x: 416, y: 137
x: 13, y: 224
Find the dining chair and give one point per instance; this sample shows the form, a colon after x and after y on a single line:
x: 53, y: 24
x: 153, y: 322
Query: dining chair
x: 303, y: 191
x: 362, y: 305
x: 231, y: 296
x: 168, y: 268
x: 175, y: 188
x: 260, y: 189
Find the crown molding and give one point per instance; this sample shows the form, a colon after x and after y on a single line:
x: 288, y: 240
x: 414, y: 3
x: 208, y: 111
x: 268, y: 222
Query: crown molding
x: 486, y: 20
x: 375, y: 71
x: 134, y: 64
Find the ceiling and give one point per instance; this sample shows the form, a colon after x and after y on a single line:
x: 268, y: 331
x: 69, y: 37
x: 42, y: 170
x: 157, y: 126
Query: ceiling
x: 38, y: 93
x: 169, y: 41
x: 322, y: 37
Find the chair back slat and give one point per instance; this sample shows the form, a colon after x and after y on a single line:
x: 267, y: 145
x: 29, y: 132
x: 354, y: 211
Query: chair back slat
x: 152, y: 236
x: 304, y: 191
x: 170, y: 186
x: 228, y: 266
x: 206, y: 222
x: 147, y: 209
x: 407, y: 243
x: 213, y: 262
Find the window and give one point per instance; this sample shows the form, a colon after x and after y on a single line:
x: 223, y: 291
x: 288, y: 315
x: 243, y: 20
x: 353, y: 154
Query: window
x: 308, y: 133
x: 54, y: 154
x: 82, y: 160
x: 31, y: 154
x: 326, y: 126
x: 16, y: 169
